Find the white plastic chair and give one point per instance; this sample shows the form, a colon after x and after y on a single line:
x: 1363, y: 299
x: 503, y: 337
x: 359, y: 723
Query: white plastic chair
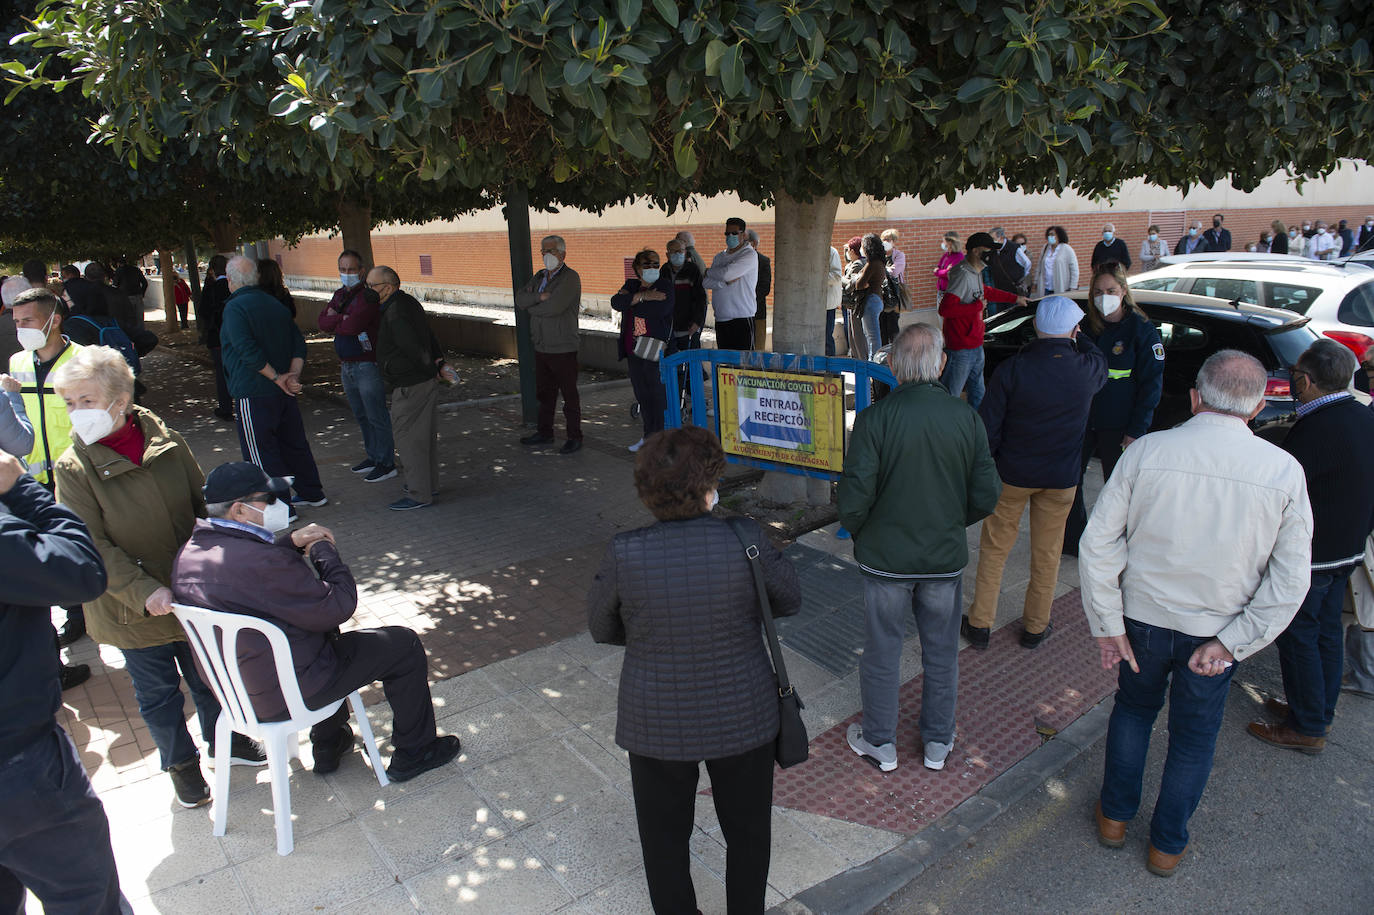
x: 213, y: 636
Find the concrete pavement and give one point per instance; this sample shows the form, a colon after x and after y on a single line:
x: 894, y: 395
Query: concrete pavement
x: 536, y: 815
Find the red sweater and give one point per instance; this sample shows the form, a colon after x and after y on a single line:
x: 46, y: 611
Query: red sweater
x: 964, y: 320
x: 128, y: 441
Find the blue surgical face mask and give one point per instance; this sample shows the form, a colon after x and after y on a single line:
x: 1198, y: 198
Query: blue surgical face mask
x: 350, y: 280
x: 1107, y: 236
x: 1154, y: 236
x: 1192, y: 231
x: 732, y: 241
x: 677, y: 258
x: 649, y: 275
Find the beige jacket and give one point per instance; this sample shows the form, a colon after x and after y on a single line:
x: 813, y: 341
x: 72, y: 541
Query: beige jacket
x: 139, y: 517
x: 1205, y: 529
x: 553, y: 322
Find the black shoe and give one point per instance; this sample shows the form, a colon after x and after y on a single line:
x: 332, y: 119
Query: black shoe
x: 192, y: 791
x: 224, y: 415
x: 405, y: 766
x: 328, y: 754
x: 71, y: 632
x: 1033, y: 640
x: 977, y: 635
x: 75, y: 675
x: 243, y: 751
x: 571, y: 446
x: 537, y: 439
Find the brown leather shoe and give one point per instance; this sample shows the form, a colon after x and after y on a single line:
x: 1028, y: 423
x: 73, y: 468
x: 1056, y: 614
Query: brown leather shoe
x: 1162, y: 865
x: 1276, y: 708
x: 1280, y: 735
x: 1111, y: 833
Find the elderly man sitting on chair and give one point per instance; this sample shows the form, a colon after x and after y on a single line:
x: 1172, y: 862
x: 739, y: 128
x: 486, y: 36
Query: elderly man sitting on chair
x: 243, y: 559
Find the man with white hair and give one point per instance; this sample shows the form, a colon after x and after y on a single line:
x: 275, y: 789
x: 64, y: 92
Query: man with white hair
x: 1036, y: 413
x: 552, y: 298
x: 918, y: 472
x: 1193, y: 241
x: 1111, y: 249
x: 1196, y: 556
x: 263, y: 354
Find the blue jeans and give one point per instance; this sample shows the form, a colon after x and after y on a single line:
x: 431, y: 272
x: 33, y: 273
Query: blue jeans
x: 1196, y: 707
x: 964, y: 368
x: 362, y: 384
x: 157, y: 687
x: 54, y: 837
x: 1310, y: 655
x: 937, y: 606
x: 873, y: 312
x: 830, y: 332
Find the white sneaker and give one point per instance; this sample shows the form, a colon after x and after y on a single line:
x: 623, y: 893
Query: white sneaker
x: 936, y: 754
x: 636, y: 446
x: 884, y: 756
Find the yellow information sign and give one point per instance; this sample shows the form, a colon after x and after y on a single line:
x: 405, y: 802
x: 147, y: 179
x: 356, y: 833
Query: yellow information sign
x: 794, y: 418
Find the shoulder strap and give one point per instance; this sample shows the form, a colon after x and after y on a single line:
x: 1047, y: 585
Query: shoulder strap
x: 766, y: 610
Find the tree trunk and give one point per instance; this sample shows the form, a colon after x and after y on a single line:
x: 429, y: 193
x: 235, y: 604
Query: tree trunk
x: 355, y: 224
x: 801, y: 258
x: 224, y: 235
x: 169, y: 296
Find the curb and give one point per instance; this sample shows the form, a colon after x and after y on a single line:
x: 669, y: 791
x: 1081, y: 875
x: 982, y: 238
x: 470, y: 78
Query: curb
x: 867, y: 886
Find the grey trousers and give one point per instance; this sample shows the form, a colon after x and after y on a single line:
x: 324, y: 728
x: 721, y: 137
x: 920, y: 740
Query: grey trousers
x: 937, y: 606
x: 1359, y: 657
x: 413, y: 413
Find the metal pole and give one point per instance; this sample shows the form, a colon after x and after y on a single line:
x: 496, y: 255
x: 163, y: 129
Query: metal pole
x: 521, y: 269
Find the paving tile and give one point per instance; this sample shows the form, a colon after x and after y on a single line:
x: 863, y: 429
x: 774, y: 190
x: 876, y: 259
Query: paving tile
x: 799, y: 859
x: 499, y: 878
x: 444, y: 820
x: 542, y: 664
x: 578, y: 696
x: 465, y: 691
x: 216, y: 893
x: 590, y: 843
x: 160, y: 853
x: 327, y: 870
x: 252, y: 827
x: 391, y: 901
x: 536, y: 781
x: 855, y: 842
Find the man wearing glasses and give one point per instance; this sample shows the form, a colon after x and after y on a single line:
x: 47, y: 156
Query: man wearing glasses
x: 733, y: 281
x: 244, y: 559
x: 412, y: 365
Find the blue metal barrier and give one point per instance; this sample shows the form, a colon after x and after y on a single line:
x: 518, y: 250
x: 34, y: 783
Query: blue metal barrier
x: 864, y: 373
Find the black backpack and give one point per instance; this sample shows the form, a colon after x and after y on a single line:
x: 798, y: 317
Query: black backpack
x: 104, y: 331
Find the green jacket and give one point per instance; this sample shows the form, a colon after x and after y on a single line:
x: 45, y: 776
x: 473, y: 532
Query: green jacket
x: 917, y: 473
x: 139, y: 518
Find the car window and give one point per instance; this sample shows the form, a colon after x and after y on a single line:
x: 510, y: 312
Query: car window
x: 1358, y: 306
x: 1161, y: 283
x: 1288, y: 345
x: 1229, y: 289
x: 1015, y: 331
x: 1247, y: 339
x: 1294, y: 298
x: 1181, y: 337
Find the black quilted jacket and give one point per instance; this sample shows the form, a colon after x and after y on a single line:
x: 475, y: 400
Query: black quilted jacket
x: 697, y: 682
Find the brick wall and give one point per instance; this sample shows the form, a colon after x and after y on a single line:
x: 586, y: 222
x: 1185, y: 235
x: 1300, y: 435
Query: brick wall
x: 480, y: 262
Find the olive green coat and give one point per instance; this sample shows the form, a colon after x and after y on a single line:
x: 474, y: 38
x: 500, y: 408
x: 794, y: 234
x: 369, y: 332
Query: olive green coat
x: 139, y: 518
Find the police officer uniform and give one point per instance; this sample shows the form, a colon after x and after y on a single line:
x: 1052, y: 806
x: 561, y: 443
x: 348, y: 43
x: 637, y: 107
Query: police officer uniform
x: 1124, y: 407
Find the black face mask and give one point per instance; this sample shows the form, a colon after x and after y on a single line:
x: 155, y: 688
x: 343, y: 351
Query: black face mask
x: 370, y: 296
x: 1216, y: 223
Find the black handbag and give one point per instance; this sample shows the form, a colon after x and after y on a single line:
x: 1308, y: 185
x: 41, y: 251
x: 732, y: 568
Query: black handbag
x: 792, y: 745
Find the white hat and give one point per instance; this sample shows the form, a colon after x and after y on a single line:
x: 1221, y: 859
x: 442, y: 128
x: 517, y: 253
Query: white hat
x: 1057, y: 314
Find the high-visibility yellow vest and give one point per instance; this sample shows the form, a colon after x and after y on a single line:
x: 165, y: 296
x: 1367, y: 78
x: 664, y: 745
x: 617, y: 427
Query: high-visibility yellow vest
x: 52, y: 427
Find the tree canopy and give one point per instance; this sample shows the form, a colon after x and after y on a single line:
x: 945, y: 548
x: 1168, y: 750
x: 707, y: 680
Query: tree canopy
x: 597, y: 101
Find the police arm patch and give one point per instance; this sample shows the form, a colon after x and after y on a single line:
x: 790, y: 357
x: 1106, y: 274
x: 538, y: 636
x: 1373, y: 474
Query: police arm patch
x: 1158, y: 350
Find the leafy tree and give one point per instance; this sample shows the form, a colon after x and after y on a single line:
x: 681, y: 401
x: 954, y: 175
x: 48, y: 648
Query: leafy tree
x: 798, y: 103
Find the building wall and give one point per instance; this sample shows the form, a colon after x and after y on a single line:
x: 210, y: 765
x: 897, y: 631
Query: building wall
x: 469, y: 258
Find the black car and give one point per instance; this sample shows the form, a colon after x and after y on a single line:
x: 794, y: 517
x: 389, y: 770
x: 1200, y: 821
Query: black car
x: 1192, y: 327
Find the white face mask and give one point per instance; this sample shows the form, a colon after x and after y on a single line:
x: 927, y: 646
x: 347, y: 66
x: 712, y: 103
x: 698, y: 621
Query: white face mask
x: 715, y: 499
x: 1306, y: 226
x: 349, y: 280
x: 91, y: 425
x: 1107, y: 304
x: 551, y: 262
x: 887, y: 246
x: 649, y: 275
x: 276, y: 517
x: 31, y: 338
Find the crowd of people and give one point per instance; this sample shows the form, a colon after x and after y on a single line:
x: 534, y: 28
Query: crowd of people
x: 1169, y: 607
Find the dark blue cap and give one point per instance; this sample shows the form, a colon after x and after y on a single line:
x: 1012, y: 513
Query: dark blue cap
x: 240, y: 479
